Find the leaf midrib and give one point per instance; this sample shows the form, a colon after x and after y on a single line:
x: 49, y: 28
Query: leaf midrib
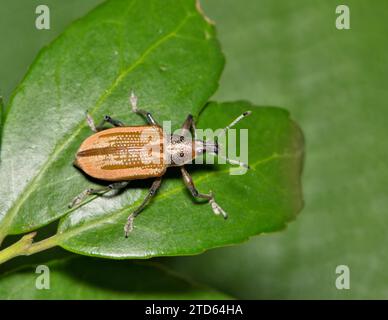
x: 33, y: 184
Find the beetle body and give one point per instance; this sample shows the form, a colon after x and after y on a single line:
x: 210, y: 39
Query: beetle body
x: 126, y: 153
x: 136, y: 152
x: 123, y: 153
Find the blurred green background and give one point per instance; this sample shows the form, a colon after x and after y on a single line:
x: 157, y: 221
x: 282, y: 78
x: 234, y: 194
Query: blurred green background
x: 334, y: 82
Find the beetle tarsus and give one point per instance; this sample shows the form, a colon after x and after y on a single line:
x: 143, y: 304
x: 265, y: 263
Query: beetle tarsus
x: 133, y: 101
x: 147, y: 115
x: 129, y: 225
x: 90, y: 122
x: 217, y: 208
x: 78, y: 199
x: 114, y: 186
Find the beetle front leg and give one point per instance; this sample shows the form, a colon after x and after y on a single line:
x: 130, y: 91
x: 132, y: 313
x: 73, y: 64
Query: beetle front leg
x: 189, y: 125
x: 150, y: 119
x: 83, y: 195
x: 210, y: 197
x: 152, y: 191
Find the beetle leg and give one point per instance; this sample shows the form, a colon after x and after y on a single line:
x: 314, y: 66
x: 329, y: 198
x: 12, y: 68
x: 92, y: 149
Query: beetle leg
x: 152, y: 191
x: 84, y: 194
x: 210, y: 197
x: 90, y: 122
x: 100, y: 127
x: 150, y: 119
x: 114, y: 122
x: 189, y: 125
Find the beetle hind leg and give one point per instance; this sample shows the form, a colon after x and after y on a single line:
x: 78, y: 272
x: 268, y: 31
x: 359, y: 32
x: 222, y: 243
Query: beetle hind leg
x: 217, y: 209
x: 100, y: 191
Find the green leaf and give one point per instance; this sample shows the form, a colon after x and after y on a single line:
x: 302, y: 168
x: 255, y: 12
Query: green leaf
x: 262, y: 200
x: 1, y: 120
x: 164, y: 50
x: 85, y: 278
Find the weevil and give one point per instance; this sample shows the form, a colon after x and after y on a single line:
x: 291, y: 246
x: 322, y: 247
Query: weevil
x: 123, y: 153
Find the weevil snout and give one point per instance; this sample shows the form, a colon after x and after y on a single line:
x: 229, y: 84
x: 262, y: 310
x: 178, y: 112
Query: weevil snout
x: 206, y: 146
x: 216, y: 146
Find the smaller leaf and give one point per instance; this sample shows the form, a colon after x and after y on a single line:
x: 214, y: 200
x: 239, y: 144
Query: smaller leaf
x: 85, y: 278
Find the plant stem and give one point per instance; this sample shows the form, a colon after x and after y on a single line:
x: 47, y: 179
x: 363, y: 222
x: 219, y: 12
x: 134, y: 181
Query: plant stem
x: 26, y: 247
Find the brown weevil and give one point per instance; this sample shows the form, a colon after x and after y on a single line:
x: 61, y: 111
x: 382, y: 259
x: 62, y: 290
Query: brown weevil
x: 124, y: 153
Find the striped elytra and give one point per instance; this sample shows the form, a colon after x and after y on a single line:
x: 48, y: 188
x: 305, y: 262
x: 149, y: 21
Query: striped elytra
x: 123, y: 153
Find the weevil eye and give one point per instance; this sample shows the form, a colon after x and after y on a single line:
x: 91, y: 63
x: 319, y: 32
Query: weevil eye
x: 181, y: 138
x: 181, y: 154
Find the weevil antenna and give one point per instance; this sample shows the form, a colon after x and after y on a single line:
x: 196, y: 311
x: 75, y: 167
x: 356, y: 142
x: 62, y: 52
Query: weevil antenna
x: 232, y: 161
x: 231, y: 125
x: 234, y: 122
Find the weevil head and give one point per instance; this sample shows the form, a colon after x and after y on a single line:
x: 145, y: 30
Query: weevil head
x: 179, y: 150
x: 182, y: 150
x: 202, y: 147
